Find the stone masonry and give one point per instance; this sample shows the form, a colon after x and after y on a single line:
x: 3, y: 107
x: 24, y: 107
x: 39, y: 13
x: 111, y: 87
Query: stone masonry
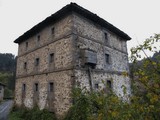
x: 52, y: 59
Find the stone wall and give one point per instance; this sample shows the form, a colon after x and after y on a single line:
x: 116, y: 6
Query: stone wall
x: 92, y: 37
x: 62, y: 90
x: 119, y: 82
x: 63, y: 54
x: 62, y: 28
x: 89, y: 30
x: 59, y: 72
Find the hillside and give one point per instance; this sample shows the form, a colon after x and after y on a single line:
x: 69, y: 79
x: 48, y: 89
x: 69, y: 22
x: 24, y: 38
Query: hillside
x: 7, y: 72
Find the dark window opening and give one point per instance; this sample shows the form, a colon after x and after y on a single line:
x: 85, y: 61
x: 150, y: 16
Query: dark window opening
x: 38, y: 38
x: 36, y: 87
x: 0, y: 87
x: 26, y: 45
x: 51, y: 57
x: 107, y: 58
x: 96, y: 86
x: 106, y: 36
x: 24, y: 87
x: 51, y: 87
x: 37, y: 62
x: 109, y: 84
x: 52, y: 30
x: 25, y: 65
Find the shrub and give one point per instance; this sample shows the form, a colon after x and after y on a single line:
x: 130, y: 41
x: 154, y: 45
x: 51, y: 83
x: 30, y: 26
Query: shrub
x: 22, y: 113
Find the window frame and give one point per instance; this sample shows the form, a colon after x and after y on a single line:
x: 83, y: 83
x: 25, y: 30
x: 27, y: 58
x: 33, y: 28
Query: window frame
x: 107, y: 58
x: 96, y: 86
x: 36, y: 87
x: 51, y: 57
x: 109, y: 84
x: 53, y: 30
x: 26, y: 45
x: 37, y: 62
x: 51, y: 87
x: 23, y: 87
x: 38, y: 40
x: 106, y: 38
x: 25, y: 66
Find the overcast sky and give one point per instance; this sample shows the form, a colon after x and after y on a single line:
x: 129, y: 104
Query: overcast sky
x: 138, y: 18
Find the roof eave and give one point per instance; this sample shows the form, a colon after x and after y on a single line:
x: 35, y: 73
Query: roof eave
x: 66, y: 10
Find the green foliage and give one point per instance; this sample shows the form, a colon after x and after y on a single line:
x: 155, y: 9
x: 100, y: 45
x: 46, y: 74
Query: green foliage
x: 8, y: 93
x: 7, y: 71
x: 8, y: 80
x: 7, y: 62
x: 96, y: 106
x: 146, y: 79
x: 30, y: 114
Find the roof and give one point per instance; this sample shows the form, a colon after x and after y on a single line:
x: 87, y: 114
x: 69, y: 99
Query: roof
x: 2, y: 84
x: 72, y: 7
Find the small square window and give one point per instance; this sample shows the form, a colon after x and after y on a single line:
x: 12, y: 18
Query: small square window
x: 52, y: 30
x: 107, y: 58
x: 36, y: 87
x: 25, y: 65
x: 24, y: 87
x: 51, y: 87
x: 37, y: 62
x: 96, y: 86
x: 51, y: 58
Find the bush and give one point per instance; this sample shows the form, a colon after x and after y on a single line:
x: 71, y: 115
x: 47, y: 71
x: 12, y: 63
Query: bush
x: 22, y: 113
x: 100, y: 106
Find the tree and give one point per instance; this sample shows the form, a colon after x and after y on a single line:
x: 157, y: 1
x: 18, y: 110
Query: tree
x: 146, y: 79
x: 7, y: 62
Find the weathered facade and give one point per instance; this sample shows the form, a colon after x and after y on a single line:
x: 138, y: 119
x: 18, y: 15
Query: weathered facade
x: 1, y: 91
x: 71, y: 47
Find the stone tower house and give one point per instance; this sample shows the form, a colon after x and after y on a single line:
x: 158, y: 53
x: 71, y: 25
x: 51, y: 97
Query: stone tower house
x: 71, y: 47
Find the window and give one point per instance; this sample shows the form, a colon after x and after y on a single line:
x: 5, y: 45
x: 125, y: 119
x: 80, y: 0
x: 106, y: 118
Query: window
x: 96, y: 86
x: 51, y: 57
x: 38, y: 39
x: 109, y: 84
x: 106, y: 36
x: 52, y: 30
x: 24, y: 87
x: 26, y: 45
x: 36, y: 87
x: 25, y: 65
x: 51, y: 87
x: 107, y: 58
x: 0, y: 87
x: 37, y: 62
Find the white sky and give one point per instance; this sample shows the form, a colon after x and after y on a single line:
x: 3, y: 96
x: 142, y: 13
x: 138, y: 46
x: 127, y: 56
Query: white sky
x: 138, y: 18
